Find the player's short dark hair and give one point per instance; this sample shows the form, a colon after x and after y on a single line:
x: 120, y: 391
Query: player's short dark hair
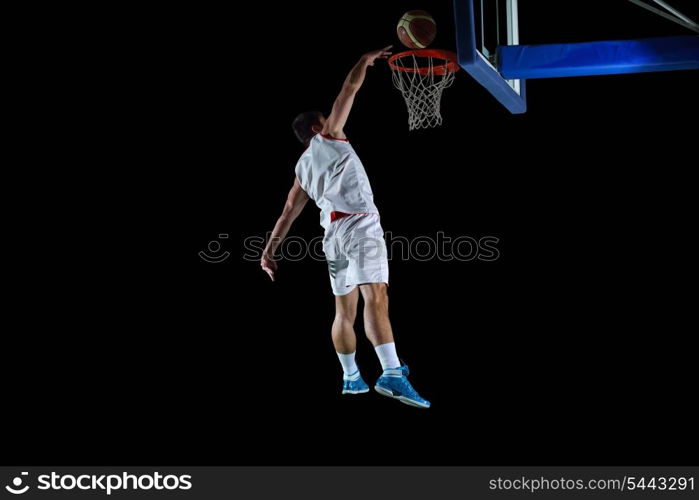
x: 302, y: 125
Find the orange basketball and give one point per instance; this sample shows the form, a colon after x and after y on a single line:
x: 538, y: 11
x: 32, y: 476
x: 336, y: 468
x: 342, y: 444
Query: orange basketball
x: 416, y: 29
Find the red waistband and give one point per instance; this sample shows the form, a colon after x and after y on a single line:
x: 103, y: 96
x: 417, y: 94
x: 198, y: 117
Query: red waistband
x: 335, y: 215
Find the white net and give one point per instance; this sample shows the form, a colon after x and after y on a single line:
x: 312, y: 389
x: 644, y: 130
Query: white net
x: 422, y: 89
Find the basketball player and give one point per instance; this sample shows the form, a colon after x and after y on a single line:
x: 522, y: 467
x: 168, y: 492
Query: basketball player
x: 330, y: 173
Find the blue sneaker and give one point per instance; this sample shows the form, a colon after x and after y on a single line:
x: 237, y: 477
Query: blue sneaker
x: 394, y: 384
x: 354, y: 386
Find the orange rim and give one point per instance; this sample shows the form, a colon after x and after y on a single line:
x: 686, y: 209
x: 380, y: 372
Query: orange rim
x: 450, y: 65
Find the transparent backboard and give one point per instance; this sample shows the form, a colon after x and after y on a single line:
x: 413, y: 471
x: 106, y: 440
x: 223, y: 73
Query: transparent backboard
x: 482, y: 26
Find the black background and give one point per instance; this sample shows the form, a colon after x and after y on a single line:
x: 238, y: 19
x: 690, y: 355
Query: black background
x: 572, y: 348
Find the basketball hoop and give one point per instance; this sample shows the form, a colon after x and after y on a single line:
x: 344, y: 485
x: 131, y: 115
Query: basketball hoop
x: 421, y: 76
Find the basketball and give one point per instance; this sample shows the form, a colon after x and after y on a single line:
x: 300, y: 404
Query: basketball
x: 416, y: 29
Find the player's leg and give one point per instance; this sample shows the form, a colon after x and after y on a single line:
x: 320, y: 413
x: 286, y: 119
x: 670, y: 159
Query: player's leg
x: 377, y: 324
x: 368, y: 267
x: 344, y: 338
x: 345, y: 342
x: 394, y: 380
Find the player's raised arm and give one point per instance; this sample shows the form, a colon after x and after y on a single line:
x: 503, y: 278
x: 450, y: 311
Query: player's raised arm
x: 295, y: 202
x: 335, y: 123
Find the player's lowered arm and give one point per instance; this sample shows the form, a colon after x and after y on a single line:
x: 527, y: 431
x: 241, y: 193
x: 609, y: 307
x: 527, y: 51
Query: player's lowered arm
x: 293, y: 206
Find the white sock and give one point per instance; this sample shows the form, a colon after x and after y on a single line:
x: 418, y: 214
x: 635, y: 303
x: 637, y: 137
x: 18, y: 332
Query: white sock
x: 349, y: 367
x: 387, y: 355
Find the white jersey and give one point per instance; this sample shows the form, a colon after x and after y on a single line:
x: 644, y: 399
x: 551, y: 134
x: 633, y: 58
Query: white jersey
x: 332, y: 175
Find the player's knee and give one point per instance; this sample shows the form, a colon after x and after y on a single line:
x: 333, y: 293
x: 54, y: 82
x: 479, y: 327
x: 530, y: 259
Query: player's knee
x: 375, y: 295
x: 346, y: 314
x: 343, y: 324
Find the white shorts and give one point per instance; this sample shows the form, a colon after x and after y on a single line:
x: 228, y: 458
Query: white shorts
x: 356, y: 252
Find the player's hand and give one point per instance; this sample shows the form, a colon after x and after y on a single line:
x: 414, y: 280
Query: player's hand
x: 372, y: 56
x: 268, y: 265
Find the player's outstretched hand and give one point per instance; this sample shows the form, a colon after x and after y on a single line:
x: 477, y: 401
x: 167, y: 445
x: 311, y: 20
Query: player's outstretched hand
x: 268, y: 265
x: 377, y: 54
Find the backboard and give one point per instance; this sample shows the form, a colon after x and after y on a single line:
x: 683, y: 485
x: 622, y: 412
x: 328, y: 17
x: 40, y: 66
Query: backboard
x: 487, y: 39
x: 482, y: 26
